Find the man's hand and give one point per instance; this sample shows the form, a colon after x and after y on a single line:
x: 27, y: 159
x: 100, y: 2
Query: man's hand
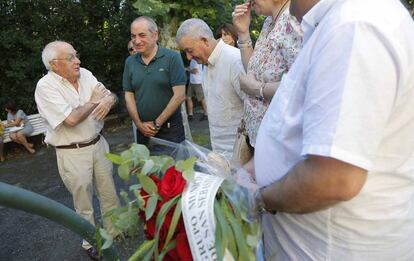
x: 250, y: 85
x: 103, y: 108
x: 147, y: 128
x: 98, y: 93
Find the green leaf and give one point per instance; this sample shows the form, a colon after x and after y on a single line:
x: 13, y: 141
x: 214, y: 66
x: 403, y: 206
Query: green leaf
x: 108, y: 238
x: 164, y: 210
x: 124, y: 196
x: 187, y: 164
x: 123, y: 171
x: 151, y: 206
x: 115, y: 158
x: 188, y: 175
x: 243, y: 252
x: 127, y: 155
x: 143, y: 248
x: 147, y: 184
x: 221, y: 231
x: 166, y: 249
x: 148, y: 167
x: 231, y: 241
x: 167, y: 162
x: 135, y: 187
x: 140, y: 151
x: 174, y: 221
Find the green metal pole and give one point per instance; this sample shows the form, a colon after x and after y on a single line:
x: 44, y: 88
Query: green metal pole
x: 18, y: 198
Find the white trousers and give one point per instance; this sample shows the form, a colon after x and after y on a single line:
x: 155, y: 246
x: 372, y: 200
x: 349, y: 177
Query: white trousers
x: 81, y: 169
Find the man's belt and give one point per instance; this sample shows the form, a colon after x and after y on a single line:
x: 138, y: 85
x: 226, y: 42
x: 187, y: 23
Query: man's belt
x: 79, y: 145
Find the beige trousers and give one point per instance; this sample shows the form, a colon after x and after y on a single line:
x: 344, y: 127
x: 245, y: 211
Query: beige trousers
x: 81, y: 169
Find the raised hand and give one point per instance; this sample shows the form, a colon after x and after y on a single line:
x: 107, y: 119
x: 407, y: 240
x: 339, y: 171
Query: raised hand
x: 241, y: 19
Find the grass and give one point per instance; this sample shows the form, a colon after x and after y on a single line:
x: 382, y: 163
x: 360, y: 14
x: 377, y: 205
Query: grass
x: 202, y: 140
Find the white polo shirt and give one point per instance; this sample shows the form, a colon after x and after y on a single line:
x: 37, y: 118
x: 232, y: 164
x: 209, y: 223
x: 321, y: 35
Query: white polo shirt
x: 56, y: 98
x: 224, y: 103
x: 349, y: 95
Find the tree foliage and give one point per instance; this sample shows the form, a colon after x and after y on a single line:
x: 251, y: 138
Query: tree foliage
x: 99, y: 31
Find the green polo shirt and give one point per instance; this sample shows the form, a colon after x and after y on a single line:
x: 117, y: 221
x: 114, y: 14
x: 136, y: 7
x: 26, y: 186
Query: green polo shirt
x: 152, y: 83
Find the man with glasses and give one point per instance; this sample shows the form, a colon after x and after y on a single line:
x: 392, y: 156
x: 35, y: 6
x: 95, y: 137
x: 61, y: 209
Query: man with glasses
x: 154, y: 84
x: 73, y: 104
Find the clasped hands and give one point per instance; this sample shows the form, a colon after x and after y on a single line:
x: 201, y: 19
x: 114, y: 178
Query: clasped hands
x: 104, y: 99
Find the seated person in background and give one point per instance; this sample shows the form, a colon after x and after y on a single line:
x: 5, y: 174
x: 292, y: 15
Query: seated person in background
x: 228, y: 33
x: 2, y: 127
x: 17, y: 118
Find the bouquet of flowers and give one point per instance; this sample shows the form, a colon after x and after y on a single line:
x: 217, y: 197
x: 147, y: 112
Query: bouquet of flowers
x: 172, y: 202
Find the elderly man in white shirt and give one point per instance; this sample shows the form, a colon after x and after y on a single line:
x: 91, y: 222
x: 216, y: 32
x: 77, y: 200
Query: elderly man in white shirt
x: 73, y: 104
x: 335, y: 151
x: 220, y: 81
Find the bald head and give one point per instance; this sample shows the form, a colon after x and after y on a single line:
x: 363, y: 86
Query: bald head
x: 152, y: 26
x: 51, y: 51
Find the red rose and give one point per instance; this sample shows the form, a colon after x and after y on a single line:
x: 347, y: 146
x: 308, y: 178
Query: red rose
x: 183, y: 248
x: 172, y: 184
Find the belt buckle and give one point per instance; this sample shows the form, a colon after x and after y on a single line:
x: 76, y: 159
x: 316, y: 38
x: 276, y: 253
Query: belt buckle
x: 77, y: 145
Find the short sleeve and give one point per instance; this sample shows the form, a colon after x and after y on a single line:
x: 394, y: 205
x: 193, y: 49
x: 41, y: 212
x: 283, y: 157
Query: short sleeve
x: 177, y: 71
x: 349, y: 94
x: 126, y: 77
x: 235, y: 70
x: 51, y: 104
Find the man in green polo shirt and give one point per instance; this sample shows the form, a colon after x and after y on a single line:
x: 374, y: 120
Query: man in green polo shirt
x: 154, y: 84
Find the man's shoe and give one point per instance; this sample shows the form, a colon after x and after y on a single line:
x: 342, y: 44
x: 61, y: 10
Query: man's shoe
x: 204, y: 117
x: 93, y: 253
x: 190, y: 117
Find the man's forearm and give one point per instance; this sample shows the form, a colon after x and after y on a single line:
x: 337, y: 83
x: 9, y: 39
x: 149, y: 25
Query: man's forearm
x: 175, y: 102
x: 132, y: 107
x: 314, y: 184
x: 79, y: 114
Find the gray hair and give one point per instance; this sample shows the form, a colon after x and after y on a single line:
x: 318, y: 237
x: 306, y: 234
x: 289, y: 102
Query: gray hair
x: 194, y: 27
x: 50, y: 52
x: 152, y: 26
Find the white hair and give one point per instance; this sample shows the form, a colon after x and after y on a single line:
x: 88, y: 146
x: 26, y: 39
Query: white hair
x: 152, y: 26
x: 50, y: 52
x: 194, y: 27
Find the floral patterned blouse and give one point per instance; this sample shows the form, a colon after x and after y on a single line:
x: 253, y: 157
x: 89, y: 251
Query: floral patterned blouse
x: 274, y: 53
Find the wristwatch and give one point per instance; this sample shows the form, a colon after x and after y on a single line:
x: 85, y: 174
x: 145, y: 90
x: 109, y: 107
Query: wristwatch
x: 157, y: 127
x: 261, y: 204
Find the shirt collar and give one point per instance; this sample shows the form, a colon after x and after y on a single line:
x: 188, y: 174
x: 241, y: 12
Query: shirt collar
x: 314, y: 16
x: 60, y: 78
x: 214, y: 56
x: 160, y: 53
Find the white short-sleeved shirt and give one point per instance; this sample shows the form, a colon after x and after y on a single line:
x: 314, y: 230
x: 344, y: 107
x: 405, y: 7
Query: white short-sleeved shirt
x: 56, y: 98
x: 223, y: 95
x: 348, y: 96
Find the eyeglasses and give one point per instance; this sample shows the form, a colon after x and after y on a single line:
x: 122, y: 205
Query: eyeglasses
x: 71, y: 58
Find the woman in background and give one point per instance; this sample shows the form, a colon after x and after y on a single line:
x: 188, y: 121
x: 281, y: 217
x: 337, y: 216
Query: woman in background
x: 17, y: 118
x: 228, y: 33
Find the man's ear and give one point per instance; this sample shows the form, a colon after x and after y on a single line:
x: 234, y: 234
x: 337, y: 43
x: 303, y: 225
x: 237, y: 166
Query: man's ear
x: 205, y: 41
x: 53, y: 65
